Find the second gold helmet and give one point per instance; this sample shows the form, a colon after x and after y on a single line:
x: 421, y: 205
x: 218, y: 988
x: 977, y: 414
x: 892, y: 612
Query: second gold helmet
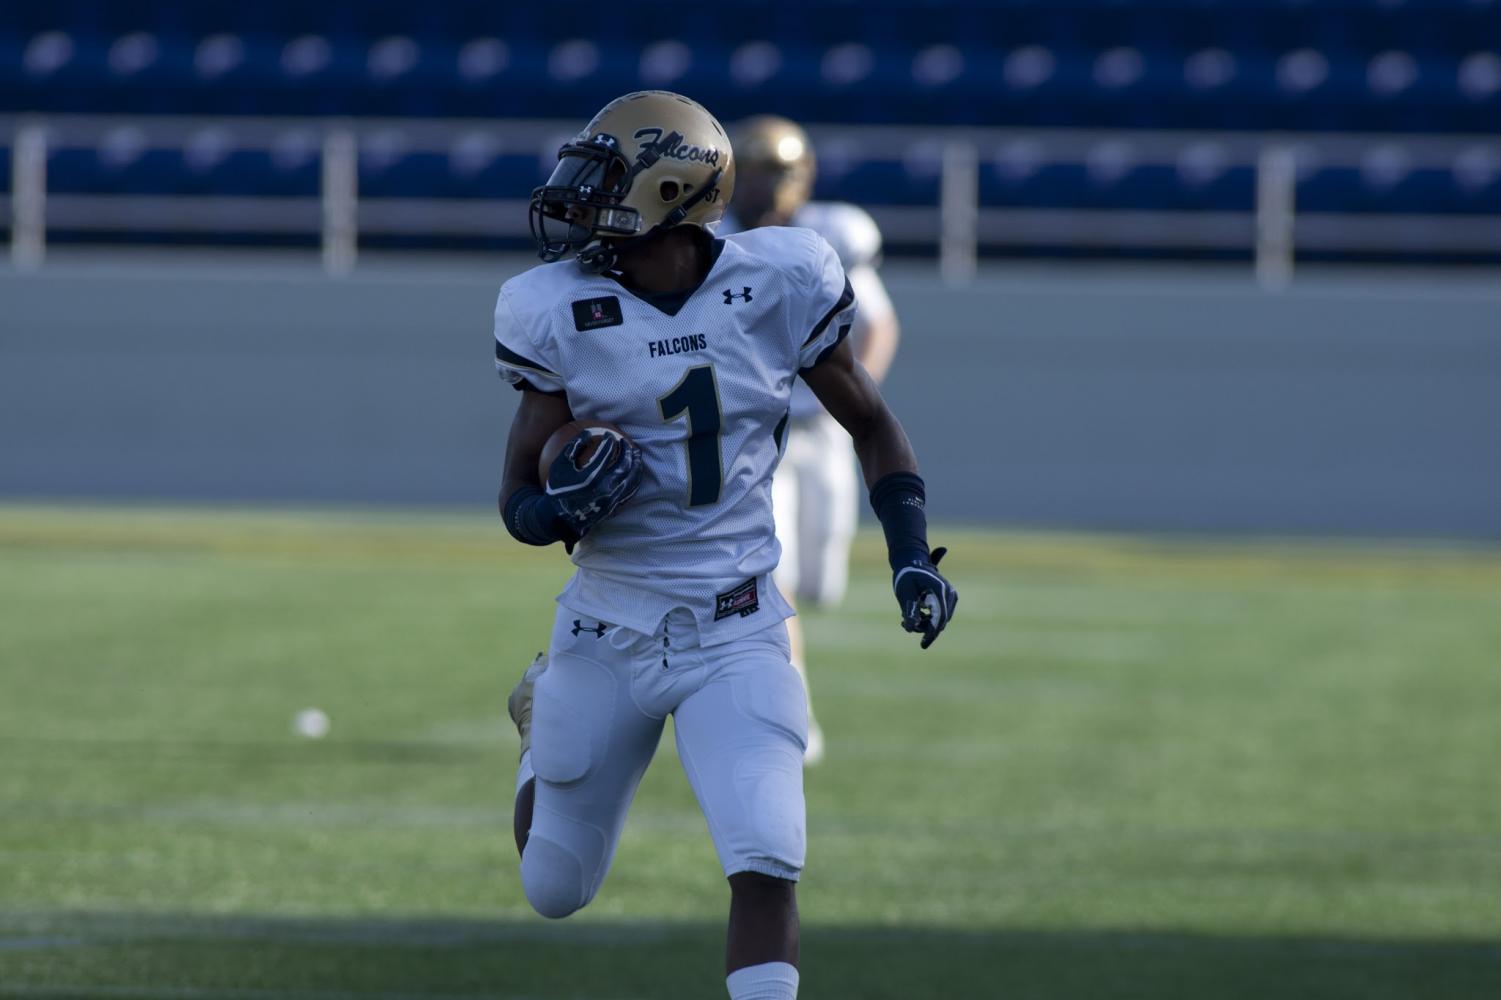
x: 779, y: 147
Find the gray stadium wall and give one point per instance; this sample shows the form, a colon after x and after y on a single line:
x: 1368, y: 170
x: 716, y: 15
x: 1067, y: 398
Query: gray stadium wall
x: 1153, y: 399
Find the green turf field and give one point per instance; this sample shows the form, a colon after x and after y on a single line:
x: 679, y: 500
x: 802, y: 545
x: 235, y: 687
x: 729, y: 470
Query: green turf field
x: 1131, y: 769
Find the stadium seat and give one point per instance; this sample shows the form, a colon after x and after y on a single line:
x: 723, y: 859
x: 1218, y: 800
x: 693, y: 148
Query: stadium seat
x: 1370, y: 66
x: 1379, y: 65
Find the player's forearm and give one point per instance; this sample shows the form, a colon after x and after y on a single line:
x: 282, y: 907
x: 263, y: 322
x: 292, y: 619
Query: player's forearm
x: 849, y: 393
x: 881, y: 444
x: 523, y: 506
x: 897, y: 492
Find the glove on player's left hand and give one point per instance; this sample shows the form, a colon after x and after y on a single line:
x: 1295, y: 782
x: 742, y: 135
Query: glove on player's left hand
x: 926, y: 598
x: 587, y: 495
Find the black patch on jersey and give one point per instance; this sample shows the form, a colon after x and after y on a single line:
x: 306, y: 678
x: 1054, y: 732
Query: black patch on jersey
x: 744, y: 295
x: 591, y: 314
x: 740, y: 600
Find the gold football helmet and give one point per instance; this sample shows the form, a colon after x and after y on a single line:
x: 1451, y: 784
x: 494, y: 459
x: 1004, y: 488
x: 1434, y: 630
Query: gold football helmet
x: 647, y: 162
x: 777, y: 167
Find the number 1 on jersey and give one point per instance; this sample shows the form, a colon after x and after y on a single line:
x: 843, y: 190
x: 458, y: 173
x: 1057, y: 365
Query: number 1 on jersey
x: 698, y: 395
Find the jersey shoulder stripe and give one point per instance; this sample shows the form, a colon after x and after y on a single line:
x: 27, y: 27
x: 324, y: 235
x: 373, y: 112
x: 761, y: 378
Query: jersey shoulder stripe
x: 523, y: 374
x: 825, y: 351
x: 846, y: 299
x: 511, y: 359
x: 526, y: 355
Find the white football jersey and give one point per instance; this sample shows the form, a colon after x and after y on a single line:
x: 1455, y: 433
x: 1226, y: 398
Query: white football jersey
x: 849, y: 229
x: 856, y: 238
x: 703, y: 385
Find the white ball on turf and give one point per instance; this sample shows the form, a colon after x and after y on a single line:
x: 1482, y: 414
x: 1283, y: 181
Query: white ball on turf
x: 311, y: 723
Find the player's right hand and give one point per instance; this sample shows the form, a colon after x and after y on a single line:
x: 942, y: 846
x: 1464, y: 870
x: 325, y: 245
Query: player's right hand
x: 926, y: 598
x: 587, y: 494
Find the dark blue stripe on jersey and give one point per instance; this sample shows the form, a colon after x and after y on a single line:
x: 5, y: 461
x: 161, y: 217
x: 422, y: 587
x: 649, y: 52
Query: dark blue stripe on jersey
x: 844, y: 302
x: 844, y: 331
x: 506, y: 356
x: 522, y: 385
x: 779, y: 435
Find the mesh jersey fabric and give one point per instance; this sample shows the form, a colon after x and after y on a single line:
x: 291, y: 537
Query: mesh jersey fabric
x: 705, y: 393
x: 856, y: 238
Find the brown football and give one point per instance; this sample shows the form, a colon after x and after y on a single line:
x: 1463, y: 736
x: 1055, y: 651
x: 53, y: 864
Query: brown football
x: 560, y: 438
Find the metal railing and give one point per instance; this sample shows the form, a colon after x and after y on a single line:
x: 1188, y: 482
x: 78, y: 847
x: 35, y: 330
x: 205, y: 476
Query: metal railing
x: 958, y: 225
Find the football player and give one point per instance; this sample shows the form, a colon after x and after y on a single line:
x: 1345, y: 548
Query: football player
x: 689, y: 345
x: 814, y: 494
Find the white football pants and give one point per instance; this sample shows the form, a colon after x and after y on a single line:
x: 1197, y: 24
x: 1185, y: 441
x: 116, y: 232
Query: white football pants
x: 815, y: 500
x: 741, y: 718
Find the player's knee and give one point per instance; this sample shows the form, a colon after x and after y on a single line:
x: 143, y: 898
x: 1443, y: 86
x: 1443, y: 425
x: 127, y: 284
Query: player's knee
x: 759, y: 887
x: 776, y: 847
x: 780, y: 845
x: 772, y: 834
x: 554, y: 879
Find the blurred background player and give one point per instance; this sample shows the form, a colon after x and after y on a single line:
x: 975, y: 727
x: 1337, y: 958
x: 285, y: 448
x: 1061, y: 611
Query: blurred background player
x: 815, y: 494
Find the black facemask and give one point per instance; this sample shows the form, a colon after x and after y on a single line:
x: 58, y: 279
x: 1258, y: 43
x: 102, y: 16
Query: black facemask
x: 581, y: 200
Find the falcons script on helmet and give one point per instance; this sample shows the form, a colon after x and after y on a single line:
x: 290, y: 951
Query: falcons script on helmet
x: 560, y: 438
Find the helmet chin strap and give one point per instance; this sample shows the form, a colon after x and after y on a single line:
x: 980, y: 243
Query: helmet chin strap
x: 600, y: 256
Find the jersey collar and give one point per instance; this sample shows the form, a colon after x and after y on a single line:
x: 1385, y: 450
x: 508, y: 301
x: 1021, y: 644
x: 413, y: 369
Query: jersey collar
x: 672, y: 302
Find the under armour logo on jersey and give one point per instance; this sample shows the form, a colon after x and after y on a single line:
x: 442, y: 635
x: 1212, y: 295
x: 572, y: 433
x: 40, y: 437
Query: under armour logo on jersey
x: 598, y: 628
x: 730, y: 296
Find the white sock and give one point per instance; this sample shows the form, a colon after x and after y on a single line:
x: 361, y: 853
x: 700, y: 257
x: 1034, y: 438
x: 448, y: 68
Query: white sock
x: 524, y: 772
x: 768, y: 981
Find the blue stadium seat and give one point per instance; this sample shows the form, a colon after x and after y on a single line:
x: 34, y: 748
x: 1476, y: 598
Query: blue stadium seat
x: 1385, y: 183
x: 878, y: 183
x: 125, y: 162
x: 124, y: 165
x: 1334, y: 65
x: 475, y: 167
x: 1111, y: 178
x: 1259, y: 64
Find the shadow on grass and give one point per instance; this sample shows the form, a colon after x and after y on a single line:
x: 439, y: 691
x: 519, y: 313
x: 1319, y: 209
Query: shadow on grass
x: 187, y: 957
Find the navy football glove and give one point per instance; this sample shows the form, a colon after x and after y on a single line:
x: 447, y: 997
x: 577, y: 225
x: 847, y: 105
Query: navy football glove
x: 587, y: 495
x: 927, y: 599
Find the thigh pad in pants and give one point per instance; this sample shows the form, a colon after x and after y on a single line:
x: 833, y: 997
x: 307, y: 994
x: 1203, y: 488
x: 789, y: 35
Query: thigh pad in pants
x: 590, y: 746
x: 741, y: 739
